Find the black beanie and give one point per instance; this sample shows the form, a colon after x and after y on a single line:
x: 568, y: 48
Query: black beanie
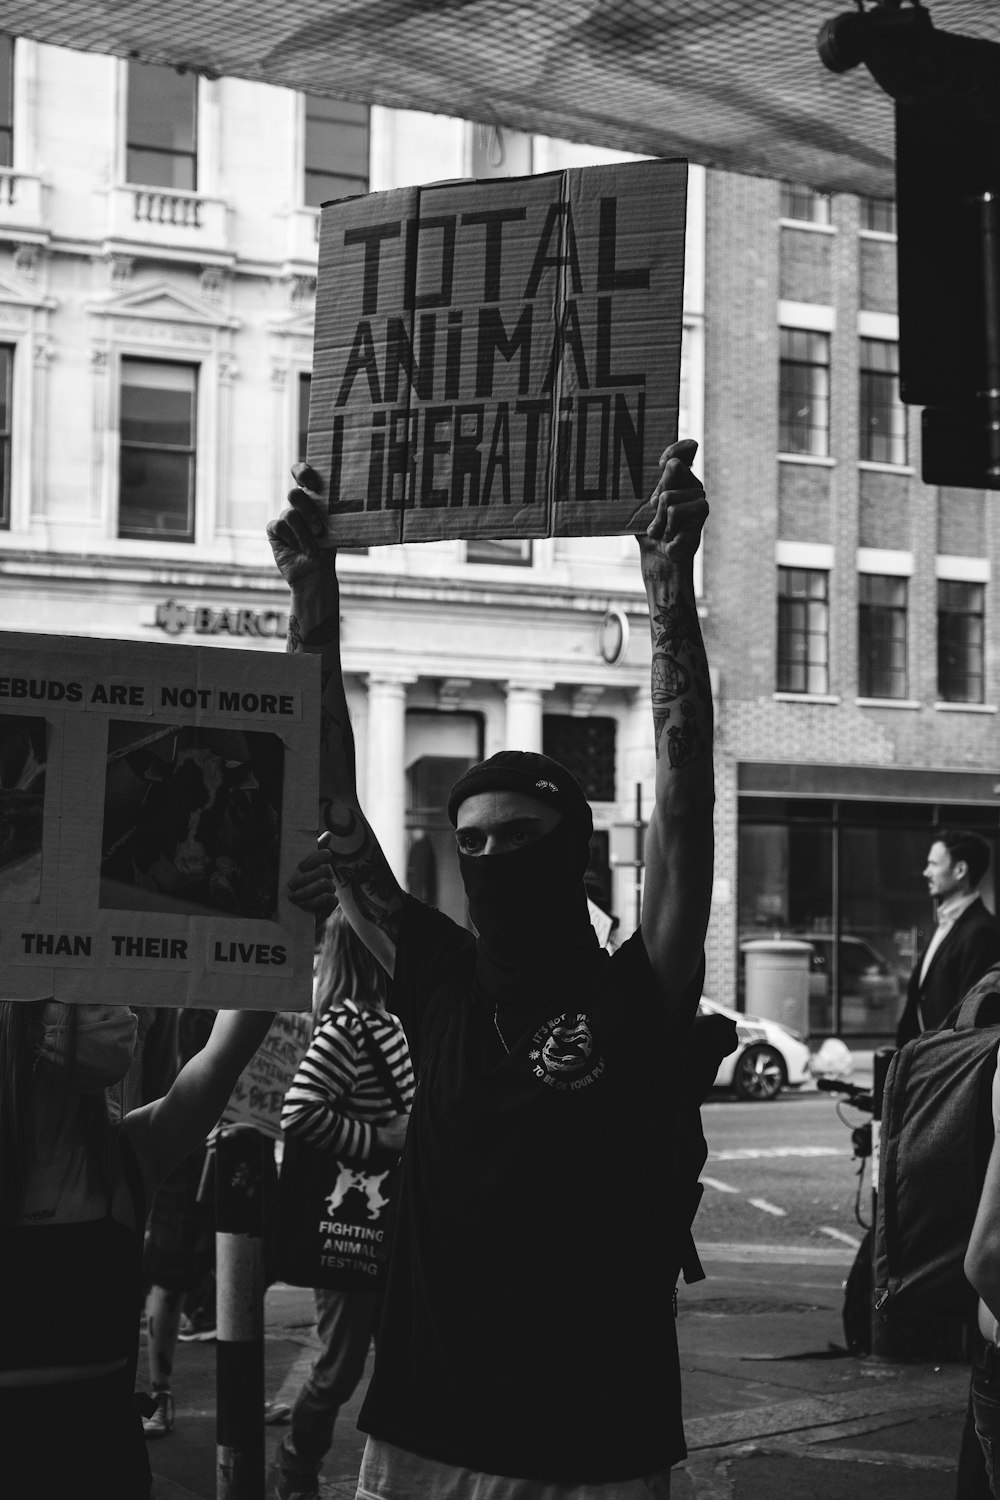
x: 537, y: 776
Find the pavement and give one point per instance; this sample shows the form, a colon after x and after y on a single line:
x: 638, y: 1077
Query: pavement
x: 774, y: 1406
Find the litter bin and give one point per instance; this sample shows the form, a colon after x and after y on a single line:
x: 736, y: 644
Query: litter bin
x: 777, y: 985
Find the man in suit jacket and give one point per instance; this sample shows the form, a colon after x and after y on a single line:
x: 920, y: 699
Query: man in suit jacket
x: 965, y: 942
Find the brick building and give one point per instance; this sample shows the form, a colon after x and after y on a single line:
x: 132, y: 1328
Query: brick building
x: 847, y: 604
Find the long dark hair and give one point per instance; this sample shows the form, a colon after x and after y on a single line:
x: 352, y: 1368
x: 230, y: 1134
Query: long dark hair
x: 20, y: 1021
x: 346, y: 970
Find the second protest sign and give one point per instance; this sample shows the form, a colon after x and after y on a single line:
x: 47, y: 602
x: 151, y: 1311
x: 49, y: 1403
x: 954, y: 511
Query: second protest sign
x: 156, y: 801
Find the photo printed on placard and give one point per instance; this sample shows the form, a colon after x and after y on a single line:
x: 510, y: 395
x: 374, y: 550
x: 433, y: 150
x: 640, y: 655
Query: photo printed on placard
x: 22, y: 798
x: 192, y: 820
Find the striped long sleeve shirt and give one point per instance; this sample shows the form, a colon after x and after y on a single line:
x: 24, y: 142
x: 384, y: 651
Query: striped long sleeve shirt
x: 336, y: 1099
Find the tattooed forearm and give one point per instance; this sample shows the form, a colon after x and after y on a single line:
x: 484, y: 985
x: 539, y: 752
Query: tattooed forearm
x: 375, y: 893
x: 326, y: 633
x: 674, y: 622
x: 359, y: 866
x: 684, y: 741
x: 314, y: 627
x: 336, y: 734
x: 679, y: 682
x: 368, y: 888
x: 669, y: 680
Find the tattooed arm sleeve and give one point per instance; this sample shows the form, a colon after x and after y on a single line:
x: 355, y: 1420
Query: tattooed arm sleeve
x: 368, y: 890
x: 679, y: 839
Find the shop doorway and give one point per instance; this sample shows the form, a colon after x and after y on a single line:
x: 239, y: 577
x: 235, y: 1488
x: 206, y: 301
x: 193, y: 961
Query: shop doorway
x: 440, y: 746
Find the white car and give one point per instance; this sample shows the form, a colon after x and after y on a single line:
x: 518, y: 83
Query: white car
x: 769, y: 1056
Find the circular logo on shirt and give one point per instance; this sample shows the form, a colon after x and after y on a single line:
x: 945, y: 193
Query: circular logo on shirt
x: 563, y: 1054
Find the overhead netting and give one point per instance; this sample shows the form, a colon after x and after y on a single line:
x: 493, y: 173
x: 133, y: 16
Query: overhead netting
x: 731, y: 83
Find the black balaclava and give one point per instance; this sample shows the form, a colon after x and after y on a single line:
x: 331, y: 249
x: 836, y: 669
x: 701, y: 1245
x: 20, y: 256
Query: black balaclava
x: 535, y: 939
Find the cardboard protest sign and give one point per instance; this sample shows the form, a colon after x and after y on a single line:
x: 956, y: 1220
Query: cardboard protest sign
x: 263, y: 1084
x: 501, y: 358
x: 154, y: 801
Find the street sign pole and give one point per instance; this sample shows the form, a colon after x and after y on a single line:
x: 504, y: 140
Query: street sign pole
x: 239, y: 1255
x: 629, y: 852
x: 640, y: 829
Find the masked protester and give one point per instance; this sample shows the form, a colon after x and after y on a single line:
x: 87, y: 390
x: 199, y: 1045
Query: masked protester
x: 75, y: 1180
x: 527, y: 1337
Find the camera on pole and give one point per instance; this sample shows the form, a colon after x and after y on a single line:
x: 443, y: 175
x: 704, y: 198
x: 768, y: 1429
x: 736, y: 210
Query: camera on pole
x: 946, y: 90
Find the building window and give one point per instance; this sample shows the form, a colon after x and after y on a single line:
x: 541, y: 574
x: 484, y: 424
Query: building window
x: 336, y: 155
x: 882, y: 437
x: 882, y: 636
x: 961, y: 634
x: 157, y: 472
x: 586, y: 747
x: 6, y: 101
x: 804, y: 392
x: 803, y: 630
x: 878, y: 214
x: 488, y: 549
x: 803, y: 204
x: 162, y: 122
x: 6, y: 383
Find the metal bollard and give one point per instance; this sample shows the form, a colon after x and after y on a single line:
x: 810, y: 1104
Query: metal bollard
x: 239, y: 1369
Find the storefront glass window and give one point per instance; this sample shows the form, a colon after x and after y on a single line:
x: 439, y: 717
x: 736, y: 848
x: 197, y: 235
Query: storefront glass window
x: 785, y: 889
x: 847, y: 877
x: 885, y: 917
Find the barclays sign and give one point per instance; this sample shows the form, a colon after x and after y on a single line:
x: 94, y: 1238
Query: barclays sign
x: 202, y: 619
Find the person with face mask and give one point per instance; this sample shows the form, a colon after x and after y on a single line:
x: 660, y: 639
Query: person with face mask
x: 527, y: 1343
x: 75, y: 1180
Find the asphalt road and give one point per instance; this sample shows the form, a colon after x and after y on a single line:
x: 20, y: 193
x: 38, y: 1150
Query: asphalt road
x: 781, y: 1173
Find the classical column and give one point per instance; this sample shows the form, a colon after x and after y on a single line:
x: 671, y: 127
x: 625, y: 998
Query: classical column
x: 385, y: 794
x: 524, y: 715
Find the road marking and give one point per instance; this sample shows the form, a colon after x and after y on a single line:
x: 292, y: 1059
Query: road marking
x: 750, y: 1153
x: 791, y: 1255
x: 838, y: 1234
x: 768, y: 1208
x: 720, y: 1187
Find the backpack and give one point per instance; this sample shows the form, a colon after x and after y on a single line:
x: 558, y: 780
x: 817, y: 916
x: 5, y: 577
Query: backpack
x: 936, y: 1139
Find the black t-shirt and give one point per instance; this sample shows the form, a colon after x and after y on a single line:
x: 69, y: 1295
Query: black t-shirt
x: 528, y: 1324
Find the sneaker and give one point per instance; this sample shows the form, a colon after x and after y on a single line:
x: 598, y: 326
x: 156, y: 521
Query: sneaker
x: 196, y: 1330
x: 162, y: 1420
x: 276, y: 1413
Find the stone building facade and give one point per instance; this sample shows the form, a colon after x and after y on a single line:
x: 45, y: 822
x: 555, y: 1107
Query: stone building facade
x: 158, y: 237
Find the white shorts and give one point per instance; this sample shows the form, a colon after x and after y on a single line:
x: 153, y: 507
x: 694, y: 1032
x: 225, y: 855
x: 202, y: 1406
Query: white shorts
x: 389, y: 1473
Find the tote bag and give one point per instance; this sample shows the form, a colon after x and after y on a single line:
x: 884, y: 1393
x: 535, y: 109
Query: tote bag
x: 335, y: 1215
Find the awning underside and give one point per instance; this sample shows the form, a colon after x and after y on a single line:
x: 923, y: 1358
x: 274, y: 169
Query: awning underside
x: 735, y: 84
